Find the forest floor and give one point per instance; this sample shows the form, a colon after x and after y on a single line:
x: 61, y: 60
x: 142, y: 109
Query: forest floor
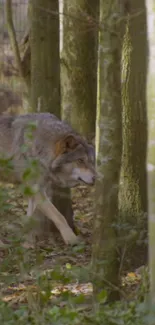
x: 33, y: 276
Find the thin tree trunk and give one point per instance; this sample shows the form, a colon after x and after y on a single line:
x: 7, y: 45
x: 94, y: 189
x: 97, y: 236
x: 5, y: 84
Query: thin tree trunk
x: 45, y: 77
x: 109, y: 145
x: 133, y: 193
x: 151, y: 145
x: 79, y: 64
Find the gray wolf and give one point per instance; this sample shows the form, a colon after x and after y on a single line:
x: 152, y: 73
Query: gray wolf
x: 58, y: 154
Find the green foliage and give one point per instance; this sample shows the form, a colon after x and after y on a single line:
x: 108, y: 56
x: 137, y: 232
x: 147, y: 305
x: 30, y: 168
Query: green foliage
x: 51, y: 300
x: 72, y: 312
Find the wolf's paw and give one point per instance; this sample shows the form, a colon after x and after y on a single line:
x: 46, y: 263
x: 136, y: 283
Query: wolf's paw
x: 74, y: 241
x: 69, y: 237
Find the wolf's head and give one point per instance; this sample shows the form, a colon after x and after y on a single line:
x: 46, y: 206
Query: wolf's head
x: 74, y: 162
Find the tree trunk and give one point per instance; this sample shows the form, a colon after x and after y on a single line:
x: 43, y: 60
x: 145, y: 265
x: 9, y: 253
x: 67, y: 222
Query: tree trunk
x: 151, y: 145
x: 45, y: 76
x: 108, y: 149
x: 133, y: 193
x: 79, y: 64
x: 45, y: 65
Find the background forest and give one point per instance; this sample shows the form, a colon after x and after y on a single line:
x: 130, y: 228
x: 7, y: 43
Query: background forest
x: 92, y: 64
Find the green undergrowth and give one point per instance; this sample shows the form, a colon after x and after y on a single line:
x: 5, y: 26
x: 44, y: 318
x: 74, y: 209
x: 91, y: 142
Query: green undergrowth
x: 52, y: 286
x: 53, y: 298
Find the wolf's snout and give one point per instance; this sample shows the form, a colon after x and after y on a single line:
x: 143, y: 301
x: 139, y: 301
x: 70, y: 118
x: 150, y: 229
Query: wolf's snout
x: 88, y: 180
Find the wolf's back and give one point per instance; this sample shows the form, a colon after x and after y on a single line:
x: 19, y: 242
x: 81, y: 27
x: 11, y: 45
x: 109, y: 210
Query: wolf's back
x: 48, y: 130
x: 48, y: 127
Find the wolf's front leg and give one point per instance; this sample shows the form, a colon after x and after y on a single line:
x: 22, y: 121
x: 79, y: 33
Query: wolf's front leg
x: 30, y: 238
x: 45, y: 206
x: 31, y: 207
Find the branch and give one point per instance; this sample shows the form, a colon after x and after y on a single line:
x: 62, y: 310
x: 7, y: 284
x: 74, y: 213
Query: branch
x: 12, y: 36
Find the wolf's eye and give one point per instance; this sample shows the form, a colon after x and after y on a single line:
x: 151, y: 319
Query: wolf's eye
x: 80, y: 161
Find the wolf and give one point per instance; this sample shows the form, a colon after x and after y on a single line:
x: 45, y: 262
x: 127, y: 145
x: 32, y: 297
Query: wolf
x: 60, y: 157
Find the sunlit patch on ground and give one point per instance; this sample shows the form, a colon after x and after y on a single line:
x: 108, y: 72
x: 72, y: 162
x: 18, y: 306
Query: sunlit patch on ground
x: 18, y: 294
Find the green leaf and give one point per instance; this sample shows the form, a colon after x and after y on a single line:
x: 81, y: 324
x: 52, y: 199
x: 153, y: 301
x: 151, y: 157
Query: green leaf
x: 102, y: 296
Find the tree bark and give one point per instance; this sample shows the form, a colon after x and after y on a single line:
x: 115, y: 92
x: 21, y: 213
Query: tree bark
x: 151, y: 146
x: 133, y: 193
x: 14, y: 43
x: 45, y: 64
x: 79, y: 64
x: 105, y: 266
x: 45, y: 77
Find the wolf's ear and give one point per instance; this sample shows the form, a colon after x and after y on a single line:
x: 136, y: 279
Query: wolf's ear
x: 67, y: 144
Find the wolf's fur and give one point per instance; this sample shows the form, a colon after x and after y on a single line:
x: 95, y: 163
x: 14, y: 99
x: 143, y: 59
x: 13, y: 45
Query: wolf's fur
x: 64, y: 159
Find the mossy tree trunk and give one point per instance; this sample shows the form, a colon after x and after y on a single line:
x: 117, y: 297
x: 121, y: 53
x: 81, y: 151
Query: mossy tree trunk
x: 133, y: 193
x: 79, y: 64
x: 151, y: 145
x: 45, y: 75
x: 105, y: 264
